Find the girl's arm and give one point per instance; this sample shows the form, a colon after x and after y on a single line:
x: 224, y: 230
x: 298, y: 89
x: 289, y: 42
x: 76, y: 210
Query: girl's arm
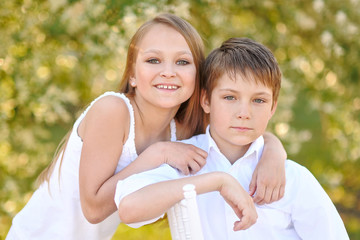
x: 104, y: 132
x: 268, y: 180
x: 153, y: 200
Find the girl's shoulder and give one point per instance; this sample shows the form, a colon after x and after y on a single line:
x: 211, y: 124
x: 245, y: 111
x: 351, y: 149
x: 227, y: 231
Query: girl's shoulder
x: 108, y: 114
x: 110, y: 109
x: 111, y: 104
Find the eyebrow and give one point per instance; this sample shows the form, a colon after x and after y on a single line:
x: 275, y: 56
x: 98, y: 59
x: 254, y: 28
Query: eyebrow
x: 234, y: 91
x: 159, y: 52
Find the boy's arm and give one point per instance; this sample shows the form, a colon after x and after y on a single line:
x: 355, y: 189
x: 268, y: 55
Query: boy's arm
x: 268, y: 180
x: 153, y: 200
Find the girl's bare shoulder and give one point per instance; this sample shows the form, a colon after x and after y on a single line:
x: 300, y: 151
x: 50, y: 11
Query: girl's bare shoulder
x: 110, y: 113
x: 110, y: 106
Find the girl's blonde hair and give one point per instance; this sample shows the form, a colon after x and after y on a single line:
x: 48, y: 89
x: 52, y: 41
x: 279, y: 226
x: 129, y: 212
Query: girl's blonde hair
x: 60, y: 150
x: 189, y: 114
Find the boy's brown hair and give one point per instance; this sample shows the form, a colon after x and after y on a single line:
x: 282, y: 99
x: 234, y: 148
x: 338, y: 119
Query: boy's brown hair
x: 252, y: 60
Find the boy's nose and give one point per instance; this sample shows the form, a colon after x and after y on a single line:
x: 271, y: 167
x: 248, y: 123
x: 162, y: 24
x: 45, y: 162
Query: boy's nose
x: 243, y: 111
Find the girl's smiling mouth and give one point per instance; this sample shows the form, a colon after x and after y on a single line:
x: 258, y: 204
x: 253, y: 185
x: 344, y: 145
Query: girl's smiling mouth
x: 170, y: 87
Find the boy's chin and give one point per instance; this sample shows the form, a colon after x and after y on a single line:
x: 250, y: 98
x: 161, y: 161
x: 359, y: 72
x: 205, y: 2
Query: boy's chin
x: 246, y: 140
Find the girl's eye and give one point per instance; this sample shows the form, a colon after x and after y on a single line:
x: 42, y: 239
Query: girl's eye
x: 153, y: 61
x: 182, y: 62
x: 229, y: 98
x: 258, y: 100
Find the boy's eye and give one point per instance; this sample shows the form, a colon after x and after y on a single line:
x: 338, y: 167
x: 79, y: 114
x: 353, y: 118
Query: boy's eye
x: 229, y: 98
x: 182, y: 62
x: 153, y: 61
x: 258, y: 100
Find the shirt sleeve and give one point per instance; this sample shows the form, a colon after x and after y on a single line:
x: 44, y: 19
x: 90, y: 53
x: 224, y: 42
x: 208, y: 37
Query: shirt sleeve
x: 314, y: 214
x: 140, y: 180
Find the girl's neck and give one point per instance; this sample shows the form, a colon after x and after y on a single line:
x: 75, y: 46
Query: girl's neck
x: 152, y: 124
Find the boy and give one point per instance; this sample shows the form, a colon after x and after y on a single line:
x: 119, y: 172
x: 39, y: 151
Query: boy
x: 241, y: 83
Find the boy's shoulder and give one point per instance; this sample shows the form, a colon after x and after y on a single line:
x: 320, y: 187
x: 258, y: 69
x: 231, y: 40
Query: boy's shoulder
x: 295, y: 171
x: 299, y: 178
x: 200, y: 141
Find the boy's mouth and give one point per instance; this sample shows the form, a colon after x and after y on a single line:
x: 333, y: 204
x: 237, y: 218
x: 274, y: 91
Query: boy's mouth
x: 242, y: 128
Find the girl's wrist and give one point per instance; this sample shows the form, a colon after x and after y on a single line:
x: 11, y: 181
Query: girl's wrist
x: 160, y: 151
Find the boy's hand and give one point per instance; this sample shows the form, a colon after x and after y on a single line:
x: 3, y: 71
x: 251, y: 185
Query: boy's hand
x: 240, y: 201
x: 185, y: 157
x: 268, y: 182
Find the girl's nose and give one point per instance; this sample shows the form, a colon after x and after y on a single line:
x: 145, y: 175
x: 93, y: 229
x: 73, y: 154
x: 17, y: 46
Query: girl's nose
x: 168, y: 72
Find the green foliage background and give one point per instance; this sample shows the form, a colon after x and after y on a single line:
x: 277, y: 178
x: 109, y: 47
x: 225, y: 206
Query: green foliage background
x: 58, y: 55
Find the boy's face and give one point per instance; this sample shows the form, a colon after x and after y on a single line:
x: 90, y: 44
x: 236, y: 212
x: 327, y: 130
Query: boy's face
x: 239, y: 113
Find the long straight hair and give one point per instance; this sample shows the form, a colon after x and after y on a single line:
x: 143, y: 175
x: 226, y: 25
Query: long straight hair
x: 190, y: 113
x: 60, y: 150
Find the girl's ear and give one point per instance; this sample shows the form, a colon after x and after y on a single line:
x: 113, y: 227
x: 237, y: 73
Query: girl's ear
x: 132, y: 82
x: 205, y: 102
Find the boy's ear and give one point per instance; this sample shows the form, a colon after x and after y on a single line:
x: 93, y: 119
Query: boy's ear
x: 273, y: 108
x: 204, y: 101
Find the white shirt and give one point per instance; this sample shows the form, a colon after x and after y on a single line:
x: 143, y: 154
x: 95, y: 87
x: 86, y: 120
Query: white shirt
x: 305, y: 211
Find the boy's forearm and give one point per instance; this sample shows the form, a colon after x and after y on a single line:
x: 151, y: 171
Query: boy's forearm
x: 154, y: 200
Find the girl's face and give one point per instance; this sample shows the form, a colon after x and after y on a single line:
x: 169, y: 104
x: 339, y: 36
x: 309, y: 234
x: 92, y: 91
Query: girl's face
x: 164, y: 70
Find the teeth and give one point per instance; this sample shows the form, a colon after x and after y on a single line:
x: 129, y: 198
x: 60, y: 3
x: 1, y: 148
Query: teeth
x: 167, y: 87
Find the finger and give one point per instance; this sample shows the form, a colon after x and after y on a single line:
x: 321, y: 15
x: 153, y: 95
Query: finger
x: 237, y: 226
x: 282, y: 191
x: 184, y: 169
x: 202, y: 153
x: 200, y: 161
x: 268, y: 195
x: 252, y: 186
x: 193, y: 167
x: 260, y: 194
x: 245, y: 222
x: 241, y: 225
x: 263, y: 200
x: 275, y: 195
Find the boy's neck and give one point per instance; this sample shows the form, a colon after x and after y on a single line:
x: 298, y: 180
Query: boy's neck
x: 233, y: 156
x: 230, y: 151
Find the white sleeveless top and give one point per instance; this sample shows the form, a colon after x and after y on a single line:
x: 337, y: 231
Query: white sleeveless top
x: 56, y: 213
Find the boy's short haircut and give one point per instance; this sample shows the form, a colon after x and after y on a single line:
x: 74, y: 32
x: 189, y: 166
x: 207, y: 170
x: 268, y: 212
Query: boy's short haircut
x: 252, y: 60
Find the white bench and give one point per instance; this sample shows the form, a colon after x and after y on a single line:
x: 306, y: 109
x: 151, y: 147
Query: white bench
x: 183, y: 217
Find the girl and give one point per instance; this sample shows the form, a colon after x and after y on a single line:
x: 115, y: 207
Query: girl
x: 160, y: 94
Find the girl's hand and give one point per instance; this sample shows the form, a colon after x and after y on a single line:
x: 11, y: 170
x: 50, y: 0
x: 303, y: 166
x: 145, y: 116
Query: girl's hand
x: 240, y: 201
x: 268, y: 181
x: 185, y: 157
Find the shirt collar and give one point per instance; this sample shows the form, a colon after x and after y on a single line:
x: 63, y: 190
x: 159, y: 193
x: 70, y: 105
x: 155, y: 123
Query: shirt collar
x: 255, y: 148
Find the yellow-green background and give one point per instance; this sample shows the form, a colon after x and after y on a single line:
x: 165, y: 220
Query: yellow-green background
x: 58, y: 55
